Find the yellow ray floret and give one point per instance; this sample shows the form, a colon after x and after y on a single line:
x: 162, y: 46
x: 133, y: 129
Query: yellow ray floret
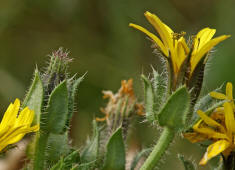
x: 219, y: 127
x: 14, y: 126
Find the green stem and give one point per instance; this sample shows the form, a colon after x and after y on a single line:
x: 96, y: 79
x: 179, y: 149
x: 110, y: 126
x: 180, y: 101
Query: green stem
x: 159, y: 149
x: 41, y: 145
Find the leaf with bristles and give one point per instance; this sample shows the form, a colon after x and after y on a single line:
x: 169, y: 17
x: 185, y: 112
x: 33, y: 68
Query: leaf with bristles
x: 57, y: 110
x: 72, y: 94
x: 115, y: 155
x: 159, y: 83
x: 148, y: 99
x: 34, y: 97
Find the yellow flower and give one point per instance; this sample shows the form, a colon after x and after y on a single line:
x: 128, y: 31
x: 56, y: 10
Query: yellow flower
x: 174, y: 45
x: 171, y: 44
x: 219, y: 128
x: 14, y: 126
x: 228, y: 96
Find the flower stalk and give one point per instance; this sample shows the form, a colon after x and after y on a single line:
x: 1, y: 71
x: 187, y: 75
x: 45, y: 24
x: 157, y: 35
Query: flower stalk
x: 159, y: 149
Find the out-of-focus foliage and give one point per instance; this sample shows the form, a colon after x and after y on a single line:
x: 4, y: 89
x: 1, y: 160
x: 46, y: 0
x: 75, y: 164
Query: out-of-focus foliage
x: 100, y: 41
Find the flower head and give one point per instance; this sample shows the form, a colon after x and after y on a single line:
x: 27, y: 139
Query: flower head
x: 174, y: 46
x: 120, y: 99
x: 14, y: 126
x: 219, y: 127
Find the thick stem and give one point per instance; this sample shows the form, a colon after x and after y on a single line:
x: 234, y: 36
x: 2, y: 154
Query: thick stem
x: 41, y: 145
x: 159, y: 149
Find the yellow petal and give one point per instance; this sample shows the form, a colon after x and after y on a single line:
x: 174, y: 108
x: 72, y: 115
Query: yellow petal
x: 153, y: 37
x: 197, y: 40
x: 205, y: 49
x: 210, y: 133
x: 184, y: 45
x: 170, y: 31
x: 210, y: 121
x: 229, y: 118
x: 229, y: 91
x: 11, y: 114
x: 162, y: 30
x: 202, y: 38
x: 25, y: 117
x: 213, y: 150
x: 180, y: 55
x: 20, y: 134
x: 206, y: 36
x: 7, y: 116
x: 166, y: 36
x: 16, y: 135
x: 218, y: 95
x: 196, y: 126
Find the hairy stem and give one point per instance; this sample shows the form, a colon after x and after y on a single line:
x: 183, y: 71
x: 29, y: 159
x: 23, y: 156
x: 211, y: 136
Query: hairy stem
x: 159, y: 149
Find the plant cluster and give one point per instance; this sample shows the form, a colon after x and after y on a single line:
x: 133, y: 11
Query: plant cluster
x: 172, y: 102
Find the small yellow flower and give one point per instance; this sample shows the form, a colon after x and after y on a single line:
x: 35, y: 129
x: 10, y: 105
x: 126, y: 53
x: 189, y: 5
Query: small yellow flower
x: 173, y: 45
x: 219, y: 128
x: 14, y: 126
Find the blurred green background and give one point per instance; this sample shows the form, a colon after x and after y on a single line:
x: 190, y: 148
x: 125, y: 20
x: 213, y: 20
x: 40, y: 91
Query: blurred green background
x: 100, y: 41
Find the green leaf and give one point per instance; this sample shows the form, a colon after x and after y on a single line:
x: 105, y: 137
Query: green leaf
x: 174, y: 112
x: 90, y: 153
x: 34, y: 97
x: 57, y: 109
x: 148, y: 98
x: 140, y: 155
x: 115, y: 155
x: 188, y: 165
